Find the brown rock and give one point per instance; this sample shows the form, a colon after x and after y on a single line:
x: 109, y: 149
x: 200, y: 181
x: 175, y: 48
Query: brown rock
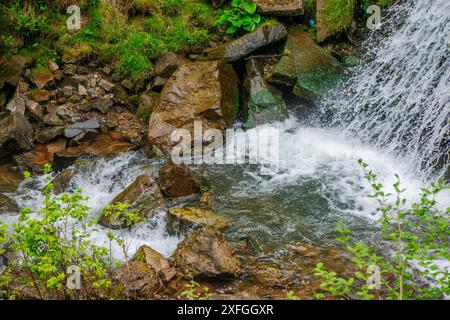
x: 182, y: 219
x: 178, y: 180
x: 205, y: 91
x: 160, y: 265
x: 280, y: 7
x: 206, y: 253
x: 13, y: 68
x: 7, y: 205
x: 46, y: 135
x: 104, y: 103
x: 39, y: 95
x: 10, y: 177
x: 143, y: 195
x: 35, y: 109
x: 137, y: 280
x: 52, y: 65
x: 35, y: 159
x: 43, y: 79
x: 62, y: 180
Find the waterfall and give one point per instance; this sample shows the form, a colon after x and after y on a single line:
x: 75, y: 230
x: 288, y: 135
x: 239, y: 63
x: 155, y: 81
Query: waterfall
x: 399, y: 100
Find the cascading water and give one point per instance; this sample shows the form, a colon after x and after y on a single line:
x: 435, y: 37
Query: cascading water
x: 392, y: 112
x: 400, y: 100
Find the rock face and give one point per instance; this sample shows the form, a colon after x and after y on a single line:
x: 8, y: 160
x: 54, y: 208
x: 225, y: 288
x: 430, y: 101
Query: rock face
x: 178, y: 180
x: 160, y: 265
x: 143, y: 195
x: 305, y: 66
x: 206, y: 253
x: 205, y: 91
x: 260, y: 104
x: 181, y: 219
x: 280, y: 7
x: 243, y: 46
x: 16, y: 134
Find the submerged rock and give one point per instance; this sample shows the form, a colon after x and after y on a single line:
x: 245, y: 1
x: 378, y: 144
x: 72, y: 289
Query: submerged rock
x: 206, y: 253
x: 178, y: 180
x: 181, y: 219
x: 305, y: 66
x: 260, y: 104
x: 280, y: 7
x: 143, y: 195
x: 205, y: 91
x: 237, y: 49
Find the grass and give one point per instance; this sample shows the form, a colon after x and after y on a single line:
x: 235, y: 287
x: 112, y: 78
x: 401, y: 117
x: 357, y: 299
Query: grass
x: 338, y: 14
x: 135, y: 32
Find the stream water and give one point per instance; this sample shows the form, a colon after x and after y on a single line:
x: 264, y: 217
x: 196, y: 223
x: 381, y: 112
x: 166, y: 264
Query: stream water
x: 392, y: 112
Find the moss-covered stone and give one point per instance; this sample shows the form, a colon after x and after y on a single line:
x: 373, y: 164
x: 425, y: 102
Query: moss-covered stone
x: 305, y: 66
x: 181, y: 219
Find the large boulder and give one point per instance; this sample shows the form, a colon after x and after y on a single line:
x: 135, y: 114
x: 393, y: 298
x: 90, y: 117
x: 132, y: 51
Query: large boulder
x: 16, y: 133
x: 237, y: 49
x: 206, y: 253
x: 261, y: 105
x: 178, y: 180
x: 62, y: 181
x: 280, y: 7
x: 206, y: 91
x: 305, y: 66
x: 182, y: 219
x: 166, y: 65
x: 7, y: 205
x: 143, y: 195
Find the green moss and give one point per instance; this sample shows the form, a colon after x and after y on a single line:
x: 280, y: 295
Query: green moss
x: 364, y: 4
x: 338, y: 14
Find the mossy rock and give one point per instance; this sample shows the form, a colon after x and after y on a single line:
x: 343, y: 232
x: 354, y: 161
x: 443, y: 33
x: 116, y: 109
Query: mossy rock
x: 305, y: 66
x: 182, y: 219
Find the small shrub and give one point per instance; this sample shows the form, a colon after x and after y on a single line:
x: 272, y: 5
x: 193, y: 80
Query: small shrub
x: 241, y: 16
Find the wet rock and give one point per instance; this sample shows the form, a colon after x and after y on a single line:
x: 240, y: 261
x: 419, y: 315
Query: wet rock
x: 39, y: 95
x: 137, y: 280
x: 178, y: 180
x: 35, y: 159
x: 160, y: 265
x: 143, y: 195
x: 267, y: 275
x: 182, y: 219
x: 13, y: 68
x: 306, y: 250
x: 243, y: 46
x: 10, y: 177
x: 280, y: 7
x: 46, y: 135
x: 62, y: 181
x: 260, y: 104
x: 43, y: 79
x: 205, y: 91
x: 104, y: 103
x: 305, y: 66
x: 206, y: 253
x: 103, y: 146
x: 108, y: 86
x: 16, y: 135
x: 7, y: 205
x: 77, y: 128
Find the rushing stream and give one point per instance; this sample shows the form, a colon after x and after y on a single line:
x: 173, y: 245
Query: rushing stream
x: 393, y: 113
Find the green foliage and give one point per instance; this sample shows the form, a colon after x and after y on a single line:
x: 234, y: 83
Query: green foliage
x: 364, y: 4
x: 26, y: 21
x: 415, y: 236
x: 338, y: 14
x: 241, y: 16
x: 194, y: 291
x: 290, y: 295
x: 47, y: 243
